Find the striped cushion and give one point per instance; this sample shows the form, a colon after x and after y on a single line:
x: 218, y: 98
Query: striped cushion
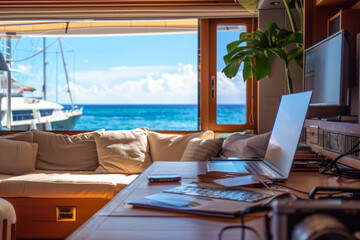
x: 201, y: 149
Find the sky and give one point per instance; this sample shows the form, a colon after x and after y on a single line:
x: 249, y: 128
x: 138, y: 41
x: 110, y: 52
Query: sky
x: 141, y: 69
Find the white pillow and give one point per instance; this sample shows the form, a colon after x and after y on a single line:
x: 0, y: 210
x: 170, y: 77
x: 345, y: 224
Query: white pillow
x: 201, y: 149
x: 17, y: 157
x: 124, y: 151
x: 245, y: 146
x: 61, y: 152
x: 171, y: 147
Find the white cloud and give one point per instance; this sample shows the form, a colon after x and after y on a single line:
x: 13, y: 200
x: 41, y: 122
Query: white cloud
x: 153, y: 87
x: 231, y: 91
x: 115, y: 74
x: 24, y: 69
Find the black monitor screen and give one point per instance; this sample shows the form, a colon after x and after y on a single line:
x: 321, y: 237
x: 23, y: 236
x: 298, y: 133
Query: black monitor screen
x: 325, y: 70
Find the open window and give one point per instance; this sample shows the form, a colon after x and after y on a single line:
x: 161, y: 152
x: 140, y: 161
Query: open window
x: 231, y: 103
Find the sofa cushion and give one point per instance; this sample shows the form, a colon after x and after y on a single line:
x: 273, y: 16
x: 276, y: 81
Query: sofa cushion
x: 21, y: 136
x: 201, y: 149
x: 59, y: 184
x: 245, y: 146
x: 171, y: 147
x: 17, y: 157
x: 124, y: 151
x: 66, y: 153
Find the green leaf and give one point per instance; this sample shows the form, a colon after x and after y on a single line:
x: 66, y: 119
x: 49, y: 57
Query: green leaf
x: 238, y: 52
x: 293, y: 53
x: 280, y: 53
x: 295, y: 37
x: 299, y: 59
x: 248, y: 70
x: 262, y: 38
x: 291, y: 17
x: 231, y: 46
x: 262, y: 67
x: 244, y: 35
x: 300, y: 12
x: 231, y: 69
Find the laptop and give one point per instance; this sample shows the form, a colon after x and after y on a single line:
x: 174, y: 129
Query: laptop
x: 282, y: 145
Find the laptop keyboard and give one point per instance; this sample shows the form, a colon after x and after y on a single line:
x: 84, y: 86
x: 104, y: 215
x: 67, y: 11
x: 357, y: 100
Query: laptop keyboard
x: 219, y: 193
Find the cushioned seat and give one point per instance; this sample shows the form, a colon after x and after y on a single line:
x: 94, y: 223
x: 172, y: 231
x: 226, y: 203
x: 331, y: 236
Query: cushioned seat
x: 56, y: 184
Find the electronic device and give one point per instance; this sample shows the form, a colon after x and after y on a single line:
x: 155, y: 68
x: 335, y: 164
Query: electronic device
x: 164, y: 178
x: 282, y: 145
x: 197, y: 204
x: 316, y: 219
x: 326, y: 69
x: 219, y: 193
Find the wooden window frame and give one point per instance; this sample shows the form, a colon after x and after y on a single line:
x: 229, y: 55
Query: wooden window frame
x: 208, y: 68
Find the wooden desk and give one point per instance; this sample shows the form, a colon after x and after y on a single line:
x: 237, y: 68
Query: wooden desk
x: 118, y: 221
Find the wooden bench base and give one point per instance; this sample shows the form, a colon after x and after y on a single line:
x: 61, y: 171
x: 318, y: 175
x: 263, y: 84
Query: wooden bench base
x: 36, y: 217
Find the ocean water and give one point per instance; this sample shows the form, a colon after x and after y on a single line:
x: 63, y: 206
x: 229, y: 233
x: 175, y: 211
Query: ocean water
x: 155, y: 117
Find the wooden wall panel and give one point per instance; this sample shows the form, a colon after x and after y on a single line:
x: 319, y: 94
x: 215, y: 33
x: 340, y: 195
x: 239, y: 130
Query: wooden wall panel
x: 36, y: 216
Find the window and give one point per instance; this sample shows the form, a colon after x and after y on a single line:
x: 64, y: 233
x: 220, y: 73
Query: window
x: 231, y: 102
x: 134, y: 77
x: 22, y: 115
x: 46, y: 112
x: 230, y: 93
x: 175, y: 90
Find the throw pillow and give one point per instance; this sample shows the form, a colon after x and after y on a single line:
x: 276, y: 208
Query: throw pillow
x: 171, y: 147
x: 245, y: 146
x: 66, y: 152
x: 21, y: 136
x: 124, y: 151
x: 201, y: 149
x: 17, y: 157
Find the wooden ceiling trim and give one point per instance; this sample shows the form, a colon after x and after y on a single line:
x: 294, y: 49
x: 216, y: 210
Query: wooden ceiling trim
x: 62, y: 3
x: 104, y: 13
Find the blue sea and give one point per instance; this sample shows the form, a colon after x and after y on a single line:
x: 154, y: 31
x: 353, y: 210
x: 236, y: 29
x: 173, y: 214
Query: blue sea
x: 155, y: 117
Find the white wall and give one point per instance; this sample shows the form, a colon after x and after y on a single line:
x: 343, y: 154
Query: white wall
x: 271, y: 88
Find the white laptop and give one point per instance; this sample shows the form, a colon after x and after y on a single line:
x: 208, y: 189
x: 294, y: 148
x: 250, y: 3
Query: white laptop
x: 282, y: 145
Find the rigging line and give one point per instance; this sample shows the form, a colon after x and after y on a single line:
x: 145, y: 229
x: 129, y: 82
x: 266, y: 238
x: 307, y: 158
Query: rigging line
x: 37, y: 53
x: 17, y: 43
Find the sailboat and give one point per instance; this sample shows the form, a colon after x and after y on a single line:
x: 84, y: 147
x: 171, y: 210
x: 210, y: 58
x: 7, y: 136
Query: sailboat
x: 33, y: 113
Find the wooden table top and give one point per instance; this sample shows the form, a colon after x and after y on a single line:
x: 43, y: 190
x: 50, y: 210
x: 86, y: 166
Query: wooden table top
x: 116, y: 220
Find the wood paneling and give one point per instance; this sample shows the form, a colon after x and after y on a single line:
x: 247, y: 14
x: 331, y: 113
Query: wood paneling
x: 36, y: 217
x: 335, y: 3
x: 116, y: 9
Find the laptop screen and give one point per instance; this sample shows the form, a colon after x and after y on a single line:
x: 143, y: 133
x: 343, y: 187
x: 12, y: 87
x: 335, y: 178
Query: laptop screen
x: 286, y: 130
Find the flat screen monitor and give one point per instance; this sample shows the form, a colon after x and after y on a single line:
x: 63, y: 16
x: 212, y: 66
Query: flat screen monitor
x: 326, y: 71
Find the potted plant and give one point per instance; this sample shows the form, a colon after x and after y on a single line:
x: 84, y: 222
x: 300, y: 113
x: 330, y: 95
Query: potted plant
x: 273, y: 41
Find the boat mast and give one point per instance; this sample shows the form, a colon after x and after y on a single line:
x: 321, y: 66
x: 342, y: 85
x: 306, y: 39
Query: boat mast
x: 44, y: 63
x: 66, y: 75
x: 8, y: 110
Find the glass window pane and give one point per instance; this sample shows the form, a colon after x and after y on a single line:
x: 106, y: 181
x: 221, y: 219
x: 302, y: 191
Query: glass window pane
x: 231, y: 93
x: 141, y: 77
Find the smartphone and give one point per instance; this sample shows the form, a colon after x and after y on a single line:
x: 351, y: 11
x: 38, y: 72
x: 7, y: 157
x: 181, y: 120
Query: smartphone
x: 154, y: 178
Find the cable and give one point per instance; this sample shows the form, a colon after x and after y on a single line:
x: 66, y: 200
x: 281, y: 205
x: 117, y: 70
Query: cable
x: 340, y: 156
x: 238, y: 226
x: 294, y: 189
x: 37, y: 52
x: 341, y: 172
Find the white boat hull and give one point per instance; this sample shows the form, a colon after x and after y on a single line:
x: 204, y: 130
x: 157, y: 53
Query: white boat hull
x: 30, y: 113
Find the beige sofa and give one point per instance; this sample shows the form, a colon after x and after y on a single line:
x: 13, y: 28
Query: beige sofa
x: 51, y: 177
